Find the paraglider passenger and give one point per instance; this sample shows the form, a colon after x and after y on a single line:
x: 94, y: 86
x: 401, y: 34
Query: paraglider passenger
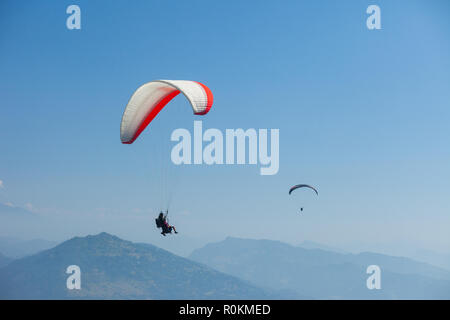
x: 161, y: 222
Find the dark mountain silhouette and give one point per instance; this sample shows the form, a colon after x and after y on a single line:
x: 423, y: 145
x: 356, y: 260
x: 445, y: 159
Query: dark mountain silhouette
x: 112, y: 268
x: 324, y: 274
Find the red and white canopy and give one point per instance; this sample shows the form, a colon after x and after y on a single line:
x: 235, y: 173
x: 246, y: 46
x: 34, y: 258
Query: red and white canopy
x: 149, y: 99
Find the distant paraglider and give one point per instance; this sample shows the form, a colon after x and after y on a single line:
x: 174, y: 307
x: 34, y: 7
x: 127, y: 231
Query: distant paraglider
x: 298, y: 186
x: 302, y: 186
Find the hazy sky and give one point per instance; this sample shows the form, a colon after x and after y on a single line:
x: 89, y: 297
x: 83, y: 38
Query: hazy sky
x: 363, y: 116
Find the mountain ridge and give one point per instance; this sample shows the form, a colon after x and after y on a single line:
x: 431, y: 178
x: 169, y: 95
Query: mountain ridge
x: 112, y: 268
x: 323, y: 274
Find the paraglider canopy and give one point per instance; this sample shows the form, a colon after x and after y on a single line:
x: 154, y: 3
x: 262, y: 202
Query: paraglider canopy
x: 149, y: 99
x: 302, y: 186
x: 298, y: 186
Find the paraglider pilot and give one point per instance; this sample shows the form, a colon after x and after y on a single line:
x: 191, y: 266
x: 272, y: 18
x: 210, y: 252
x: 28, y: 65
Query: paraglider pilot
x: 161, y: 222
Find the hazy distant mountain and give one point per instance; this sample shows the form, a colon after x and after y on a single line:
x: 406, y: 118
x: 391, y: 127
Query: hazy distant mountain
x: 314, y: 245
x: 400, y: 265
x: 435, y: 258
x: 17, y: 248
x: 17, y: 219
x: 4, y: 260
x: 181, y: 244
x: 9, y: 210
x: 324, y: 274
x: 417, y: 253
x: 112, y: 268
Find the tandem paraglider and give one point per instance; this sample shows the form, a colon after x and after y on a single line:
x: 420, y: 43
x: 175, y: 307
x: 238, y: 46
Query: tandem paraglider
x: 163, y: 223
x: 142, y: 108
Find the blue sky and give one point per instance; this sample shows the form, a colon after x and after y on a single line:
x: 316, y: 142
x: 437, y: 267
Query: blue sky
x: 363, y: 115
